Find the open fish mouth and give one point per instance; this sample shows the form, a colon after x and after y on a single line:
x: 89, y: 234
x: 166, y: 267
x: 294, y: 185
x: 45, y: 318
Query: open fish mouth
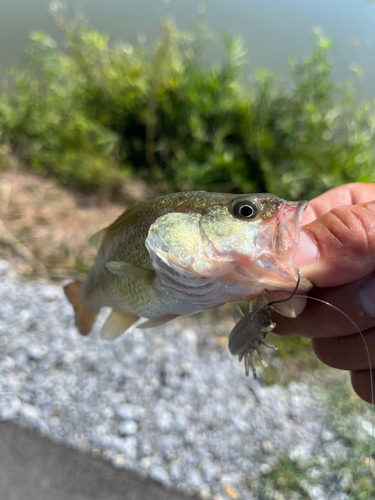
x: 276, y: 245
x: 287, y: 232
x: 278, y: 265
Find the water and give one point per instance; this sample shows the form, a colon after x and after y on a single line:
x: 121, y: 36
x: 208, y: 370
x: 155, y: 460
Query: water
x: 273, y: 29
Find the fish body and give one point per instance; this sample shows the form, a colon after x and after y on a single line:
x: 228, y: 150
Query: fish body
x: 186, y: 252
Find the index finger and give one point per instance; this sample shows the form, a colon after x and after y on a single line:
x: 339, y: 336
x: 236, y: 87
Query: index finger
x: 338, y: 247
x: 348, y: 194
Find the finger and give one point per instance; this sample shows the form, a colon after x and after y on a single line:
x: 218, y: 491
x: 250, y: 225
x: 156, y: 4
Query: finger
x: 339, y: 247
x: 352, y: 352
x: 362, y: 382
x: 348, y: 194
x: 321, y: 320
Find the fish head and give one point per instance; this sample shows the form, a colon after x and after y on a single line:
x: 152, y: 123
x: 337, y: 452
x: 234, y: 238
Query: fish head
x: 232, y: 248
x: 260, y: 234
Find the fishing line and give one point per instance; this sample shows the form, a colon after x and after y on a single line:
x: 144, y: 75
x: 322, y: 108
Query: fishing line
x: 291, y: 296
x: 346, y: 316
x: 358, y: 330
x: 362, y: 337
x: 369, y: 362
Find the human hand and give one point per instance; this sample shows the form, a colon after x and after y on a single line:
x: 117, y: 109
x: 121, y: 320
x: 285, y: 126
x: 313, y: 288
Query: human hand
x: 337, y: 254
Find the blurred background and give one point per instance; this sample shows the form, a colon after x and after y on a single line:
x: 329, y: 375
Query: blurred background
x: 132, y: 99
x: 103, y: 104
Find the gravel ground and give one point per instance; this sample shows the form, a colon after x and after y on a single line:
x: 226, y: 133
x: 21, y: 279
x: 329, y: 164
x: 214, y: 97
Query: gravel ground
x: 166, y: 402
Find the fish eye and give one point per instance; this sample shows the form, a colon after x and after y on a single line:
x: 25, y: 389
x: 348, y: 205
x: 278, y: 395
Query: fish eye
x: 245, y: 210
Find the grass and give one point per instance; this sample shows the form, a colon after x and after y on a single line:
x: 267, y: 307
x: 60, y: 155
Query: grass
x: 286, y: 477
x: 352, y: 474
x: 296, y: 356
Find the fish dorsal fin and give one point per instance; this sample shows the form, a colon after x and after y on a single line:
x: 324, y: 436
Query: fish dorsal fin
x: 150, y: 323
x: 131, y: 271
x: 116, y: 324
x: 96, y: 240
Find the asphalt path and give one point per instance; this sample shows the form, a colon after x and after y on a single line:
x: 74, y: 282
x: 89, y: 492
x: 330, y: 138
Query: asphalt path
x: 34, y: 468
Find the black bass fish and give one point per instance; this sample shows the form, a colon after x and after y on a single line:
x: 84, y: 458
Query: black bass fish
x: 182, y: 253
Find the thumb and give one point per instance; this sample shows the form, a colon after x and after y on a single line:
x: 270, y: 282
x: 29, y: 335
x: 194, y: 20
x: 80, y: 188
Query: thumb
x: 339, y: 247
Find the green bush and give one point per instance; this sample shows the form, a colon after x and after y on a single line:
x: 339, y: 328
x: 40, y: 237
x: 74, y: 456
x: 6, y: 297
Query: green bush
x: 91, y: 114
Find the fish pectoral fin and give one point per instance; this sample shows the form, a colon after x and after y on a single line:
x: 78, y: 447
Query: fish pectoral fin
x: 131, y: 271
x: 96, y: 240
x: 84, y: 318
x: 150, y: 323
x: 116, y: 324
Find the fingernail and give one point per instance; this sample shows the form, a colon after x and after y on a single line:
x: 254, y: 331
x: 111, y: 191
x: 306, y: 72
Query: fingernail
x: 308, y: 252
x: 367, y: 295
x: 292, y: 308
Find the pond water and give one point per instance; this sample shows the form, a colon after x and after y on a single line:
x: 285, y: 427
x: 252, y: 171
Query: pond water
x: 274, y: 29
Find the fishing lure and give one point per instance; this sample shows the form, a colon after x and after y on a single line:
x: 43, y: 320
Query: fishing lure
x: 251, y: 329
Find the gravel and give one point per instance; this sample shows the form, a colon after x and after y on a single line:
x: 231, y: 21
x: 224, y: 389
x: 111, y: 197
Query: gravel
x: 167, y: 402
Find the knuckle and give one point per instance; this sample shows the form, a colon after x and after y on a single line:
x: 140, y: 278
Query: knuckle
x: 330, y: 352
x: 353, y: 228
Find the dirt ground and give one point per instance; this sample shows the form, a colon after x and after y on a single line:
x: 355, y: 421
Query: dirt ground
x: 44, y: 228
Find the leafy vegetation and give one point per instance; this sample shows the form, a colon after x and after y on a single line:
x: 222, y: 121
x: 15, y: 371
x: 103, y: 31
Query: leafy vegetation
x: 91, y: 114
